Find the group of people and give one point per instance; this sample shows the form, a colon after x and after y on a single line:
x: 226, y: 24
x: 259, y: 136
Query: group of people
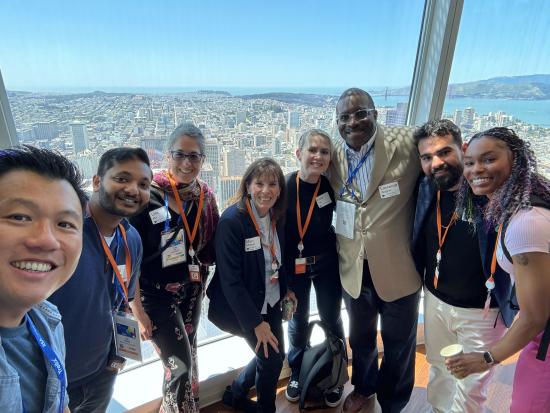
x: 141, y: 246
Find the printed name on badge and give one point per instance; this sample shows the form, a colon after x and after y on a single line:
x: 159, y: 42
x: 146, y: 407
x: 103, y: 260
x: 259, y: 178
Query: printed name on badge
x: 252, y: 244
x: 127, y: 338
x: 389, y: 190
x: 159, y: 215
x: 122, y: 269
x: 323, y: 200
x: 345, y: 219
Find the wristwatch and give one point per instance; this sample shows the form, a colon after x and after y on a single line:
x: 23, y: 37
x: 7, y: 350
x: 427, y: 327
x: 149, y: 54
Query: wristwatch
x: 489, y: 359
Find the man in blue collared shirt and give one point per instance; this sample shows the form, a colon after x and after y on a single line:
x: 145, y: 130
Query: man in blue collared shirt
x: 374, y: 172
x: 89, y: 300
x: 41, y: 206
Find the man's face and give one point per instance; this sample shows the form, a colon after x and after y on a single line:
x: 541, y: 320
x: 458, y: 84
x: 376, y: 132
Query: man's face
x: 441, y: 160
x: 356, y: 118
x: 125, y: 188
x: 40, y: 237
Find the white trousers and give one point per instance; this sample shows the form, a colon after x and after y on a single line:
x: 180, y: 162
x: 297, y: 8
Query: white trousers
x: 445, y: 324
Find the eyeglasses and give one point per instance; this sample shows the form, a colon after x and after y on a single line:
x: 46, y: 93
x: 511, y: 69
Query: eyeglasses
x: 193, y: 157
x: 359, y: 114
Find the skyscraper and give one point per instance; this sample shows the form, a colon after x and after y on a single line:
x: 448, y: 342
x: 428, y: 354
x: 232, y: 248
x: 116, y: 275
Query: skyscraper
x: 293, y: 120
x: 212, y: 149
x: 235, y: 162
x: 229, y: 186
x: 45, y: 130
x: 80, y: 137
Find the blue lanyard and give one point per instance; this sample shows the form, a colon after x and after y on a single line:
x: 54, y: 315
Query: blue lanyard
x: 167, y: 221
x: 351, y: 175
x: 52, y: 358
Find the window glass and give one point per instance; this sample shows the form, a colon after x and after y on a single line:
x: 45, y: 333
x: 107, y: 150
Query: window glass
x: 500, y: 74
x: 86, y: 77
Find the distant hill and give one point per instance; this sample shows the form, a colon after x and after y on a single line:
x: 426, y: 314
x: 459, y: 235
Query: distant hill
x: 529, y: 87
x: 532, y: 87
x: 296, y: 98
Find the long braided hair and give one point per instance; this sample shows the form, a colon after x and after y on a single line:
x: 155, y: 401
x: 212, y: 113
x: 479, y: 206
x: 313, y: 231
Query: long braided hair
x: 515, y: 194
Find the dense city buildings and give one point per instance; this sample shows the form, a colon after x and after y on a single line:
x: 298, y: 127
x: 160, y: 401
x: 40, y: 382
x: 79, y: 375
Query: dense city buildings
x: 239, y: 128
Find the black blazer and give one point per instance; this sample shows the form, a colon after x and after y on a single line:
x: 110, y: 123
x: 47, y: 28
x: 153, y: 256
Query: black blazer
x: 486, y: 238
x: 237, y: 289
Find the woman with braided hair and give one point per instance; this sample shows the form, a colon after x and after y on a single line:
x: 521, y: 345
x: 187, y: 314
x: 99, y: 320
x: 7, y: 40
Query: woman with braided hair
x: 501, y: 166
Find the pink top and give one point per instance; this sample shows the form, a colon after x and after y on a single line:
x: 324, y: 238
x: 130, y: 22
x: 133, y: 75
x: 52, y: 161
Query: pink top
x: 528, y: 231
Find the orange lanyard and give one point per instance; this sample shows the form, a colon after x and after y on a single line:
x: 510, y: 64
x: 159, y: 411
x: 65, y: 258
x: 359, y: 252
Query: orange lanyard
x: 274, y: 262
x: 440, y: 238
x: 302, y: 230
x: 190, y: 235
x: 113, y: 263
x: 490, y: 283
x: 494, y: 261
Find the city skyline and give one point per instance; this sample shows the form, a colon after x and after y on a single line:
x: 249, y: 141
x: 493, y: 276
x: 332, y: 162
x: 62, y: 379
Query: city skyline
x: 63, y: 44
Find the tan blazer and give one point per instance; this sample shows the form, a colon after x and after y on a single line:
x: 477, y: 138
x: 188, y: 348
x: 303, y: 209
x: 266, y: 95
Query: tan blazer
x: 382, y: 227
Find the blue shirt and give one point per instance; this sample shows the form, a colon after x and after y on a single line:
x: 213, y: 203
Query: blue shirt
x: 25, y: 374
x: 86, y: 302
x: 362, y: 178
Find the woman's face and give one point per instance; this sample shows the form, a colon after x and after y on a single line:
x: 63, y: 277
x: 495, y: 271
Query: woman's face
x: 185, y: 159
x: 315, y: 156
x: 264, y: 191
x: 487, y: 165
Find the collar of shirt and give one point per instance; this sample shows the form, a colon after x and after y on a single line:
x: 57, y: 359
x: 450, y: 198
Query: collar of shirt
x: 356, y: 155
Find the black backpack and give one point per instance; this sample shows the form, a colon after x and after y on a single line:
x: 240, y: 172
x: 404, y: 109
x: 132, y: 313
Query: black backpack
x: 324, y: 367
x: 545, y: 340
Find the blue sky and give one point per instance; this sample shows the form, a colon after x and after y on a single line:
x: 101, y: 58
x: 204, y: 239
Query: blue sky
x: 254, y: 43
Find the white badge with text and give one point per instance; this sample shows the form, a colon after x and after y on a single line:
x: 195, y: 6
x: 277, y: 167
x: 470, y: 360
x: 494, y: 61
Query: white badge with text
x: 323, y: 200
x: 345, y: 218
x: 252, y: 244
x: 127, y: 338
x: 175, y: 253
x: 389, y: 190
x: 122, y: 270
x: 159, y: 215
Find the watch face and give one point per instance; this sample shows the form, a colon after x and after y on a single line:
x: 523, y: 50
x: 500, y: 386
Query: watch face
x: 488, y: 358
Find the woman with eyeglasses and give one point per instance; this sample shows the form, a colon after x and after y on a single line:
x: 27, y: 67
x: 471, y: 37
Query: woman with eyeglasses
x: 177, y: 230
x: 250, y: 282
x: 501, y: 166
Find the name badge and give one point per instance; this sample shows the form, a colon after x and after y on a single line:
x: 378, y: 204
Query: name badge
x: 252, y: 244
x: 300, y: 266
x: 175, y: 253
x: 127, y: 338
x: 194, y: 273
x: 389, y: 190
x: 122, y: 269
x: 159, y: 215
x: 323, y: 200
x: 345, y: 219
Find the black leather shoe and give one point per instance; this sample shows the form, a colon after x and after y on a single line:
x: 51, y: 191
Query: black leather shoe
x: 239, y: 403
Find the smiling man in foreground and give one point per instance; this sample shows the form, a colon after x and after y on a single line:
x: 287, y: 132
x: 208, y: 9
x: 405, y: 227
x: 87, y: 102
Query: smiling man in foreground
x: 105, y: 279
x: 41, y: 204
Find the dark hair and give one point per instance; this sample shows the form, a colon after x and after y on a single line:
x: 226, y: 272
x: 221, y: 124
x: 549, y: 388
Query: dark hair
x: 263, y: 167
x: 441, y: 127
x: 515, y: 193
x: 117, y: 155
x: 43, y: 162
x: 186, y: 129
x: 355, y: 91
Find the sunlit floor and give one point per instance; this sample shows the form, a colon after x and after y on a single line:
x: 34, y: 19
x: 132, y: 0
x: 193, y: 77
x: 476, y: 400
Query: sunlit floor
x: 499, y: 391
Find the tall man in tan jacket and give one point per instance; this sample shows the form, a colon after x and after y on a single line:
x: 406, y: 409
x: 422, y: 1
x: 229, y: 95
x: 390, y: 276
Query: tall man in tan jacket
x: 374, y: 172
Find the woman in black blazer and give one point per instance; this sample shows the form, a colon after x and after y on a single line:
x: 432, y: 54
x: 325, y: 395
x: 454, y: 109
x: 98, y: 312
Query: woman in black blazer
x: 249, y: 282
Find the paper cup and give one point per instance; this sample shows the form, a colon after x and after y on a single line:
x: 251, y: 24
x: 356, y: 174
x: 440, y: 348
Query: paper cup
x: 452, y: 350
